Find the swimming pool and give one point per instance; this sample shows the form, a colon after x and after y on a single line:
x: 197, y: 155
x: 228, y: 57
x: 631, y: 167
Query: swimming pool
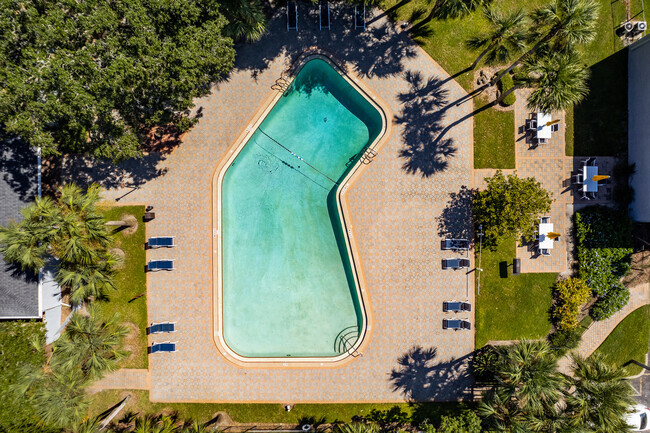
x: 289, y: 288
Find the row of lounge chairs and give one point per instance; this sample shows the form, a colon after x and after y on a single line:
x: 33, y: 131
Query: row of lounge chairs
x: 160, y: 242
x: 456, y: 245
x: 324, y: 16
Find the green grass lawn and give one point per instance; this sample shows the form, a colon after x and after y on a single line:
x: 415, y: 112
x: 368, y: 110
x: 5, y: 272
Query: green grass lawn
x: 131, y: 282
x: 511, y: 307
x: 271, y: 413
x: 598, y: 126
x: 494, y: 142
x: 629, y: 340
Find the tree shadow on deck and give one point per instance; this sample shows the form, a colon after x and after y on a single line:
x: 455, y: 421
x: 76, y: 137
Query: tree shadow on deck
x: 456, y: 217
x: 420, y: 378
x: 421, y: 120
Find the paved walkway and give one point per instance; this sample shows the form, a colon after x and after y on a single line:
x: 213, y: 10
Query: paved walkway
x: 402, y: 205
x: 596, y: 334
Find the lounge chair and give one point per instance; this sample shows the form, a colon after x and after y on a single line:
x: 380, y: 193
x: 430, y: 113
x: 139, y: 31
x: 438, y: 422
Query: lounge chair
x: 360, y: 17
x: 455, y: 244
x: 160, y: 265
x: 161, y: 242
x: 456, y: 306
x: 455, y: 263
x: 292, y: 16
x: 324, y: 15
x: 166, y: 346
x: 156, y: 328
x: 456, y: 324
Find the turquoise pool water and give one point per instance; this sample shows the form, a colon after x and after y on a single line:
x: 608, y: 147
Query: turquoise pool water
x: 288, y: 288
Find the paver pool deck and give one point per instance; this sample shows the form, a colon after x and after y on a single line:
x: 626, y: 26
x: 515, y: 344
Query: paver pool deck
x: 396, y: 207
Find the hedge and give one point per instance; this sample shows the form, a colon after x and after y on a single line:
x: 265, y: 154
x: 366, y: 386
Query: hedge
x: 505, y: 84
x: 604, y: 241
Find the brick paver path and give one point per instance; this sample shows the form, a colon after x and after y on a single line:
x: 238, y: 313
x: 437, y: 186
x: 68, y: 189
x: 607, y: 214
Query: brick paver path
x: 401, y: 207
x: 598, y: 331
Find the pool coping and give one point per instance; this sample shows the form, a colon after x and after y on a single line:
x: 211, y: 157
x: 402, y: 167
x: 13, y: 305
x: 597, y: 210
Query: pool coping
x: 344, y: 214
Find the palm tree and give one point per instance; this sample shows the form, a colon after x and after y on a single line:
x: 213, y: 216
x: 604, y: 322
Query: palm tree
x: 56, y: 394
x: 504, y: 38
x: 565, y: 22
x: 456, y: 8
x: 155, y: 424
x: 356, y: 427
x: 90, y: 344
x: 247, y: 21
x: 527, y: 389
x: 600, y: 397
x: 91, y: 281
x: 558, y: 79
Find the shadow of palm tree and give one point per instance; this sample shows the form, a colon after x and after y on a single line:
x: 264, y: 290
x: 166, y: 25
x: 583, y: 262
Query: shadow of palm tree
x: 420, y: 378
x: 456, y: 217
x: 421, y: 119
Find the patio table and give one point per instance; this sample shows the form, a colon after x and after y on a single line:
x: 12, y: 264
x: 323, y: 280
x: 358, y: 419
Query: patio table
x: 545, y: 243
x: 590, y: 185
x: 543, y: 130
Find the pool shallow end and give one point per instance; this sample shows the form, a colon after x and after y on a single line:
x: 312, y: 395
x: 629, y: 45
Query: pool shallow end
x: 344, y: 219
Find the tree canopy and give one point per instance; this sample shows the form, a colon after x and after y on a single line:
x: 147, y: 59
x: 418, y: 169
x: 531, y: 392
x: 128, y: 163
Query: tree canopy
x: 94, y: 77
x: 510, y: 206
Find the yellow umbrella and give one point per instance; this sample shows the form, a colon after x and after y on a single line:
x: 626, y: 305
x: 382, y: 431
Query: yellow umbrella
x: 598, y: 177
x: 553, y: 235
x: 550, y: 122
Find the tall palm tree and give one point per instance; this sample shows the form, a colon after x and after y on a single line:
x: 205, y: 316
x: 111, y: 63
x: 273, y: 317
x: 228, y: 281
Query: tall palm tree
x: 565, y: 22
x: 90, y: 344
x: 155, y: 424
x: 356, y: 427
x: 599, y: 396
x: 91, y: 281
x: 558, y: 81
x: 505, y: 37
x: 247, y: 20
x: 456, y: 8
x: 56, y: 394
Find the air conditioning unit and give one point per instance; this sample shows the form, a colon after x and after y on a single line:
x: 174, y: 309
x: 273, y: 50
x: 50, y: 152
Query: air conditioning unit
x: 628, y: 27
x: 641, y: 26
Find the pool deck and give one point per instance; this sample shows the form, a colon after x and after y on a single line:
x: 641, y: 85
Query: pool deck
x: 402, y: 205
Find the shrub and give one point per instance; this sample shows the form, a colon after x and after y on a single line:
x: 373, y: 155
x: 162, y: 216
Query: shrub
x: 505, y: 84
x: 617, y: 298
x: 565, y: 339
x: 604, y: 240
x: 570, y: 294
x: 466, y: 422
x: 484, y: 363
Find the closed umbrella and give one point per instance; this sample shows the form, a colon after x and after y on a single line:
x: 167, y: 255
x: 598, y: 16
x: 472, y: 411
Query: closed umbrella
x: 598, y: 177
x: 553, y: 235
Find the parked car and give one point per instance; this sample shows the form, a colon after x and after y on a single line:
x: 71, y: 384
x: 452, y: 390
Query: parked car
x: 638, y: 418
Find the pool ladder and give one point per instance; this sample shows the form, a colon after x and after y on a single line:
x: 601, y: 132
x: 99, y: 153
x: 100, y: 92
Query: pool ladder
x: 346, y: 340
x: 281, y: 85
x: 368, y: 156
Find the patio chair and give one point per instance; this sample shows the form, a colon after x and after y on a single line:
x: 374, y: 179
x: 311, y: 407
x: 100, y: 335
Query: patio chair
x: 593, y: 161
x: 541, y: 141
x: 292, y: 16
x: 360, y: 17
x: 166, y: 346
x: 156, y: 328
x: 586, y: 161
x: 578, y: 179
x: 160, y: 265
x: 591, y: 195
x: 545, y: 252
x: 456, y: 324
x: 531, y: 124
x: 455, y: 263
x: 555, y: 127
x: 545, y: 220
x: 455, y: 244
x: 584, y: 196
x: 161, y: 242
x: 324, y: 15
x: 456, y: 306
